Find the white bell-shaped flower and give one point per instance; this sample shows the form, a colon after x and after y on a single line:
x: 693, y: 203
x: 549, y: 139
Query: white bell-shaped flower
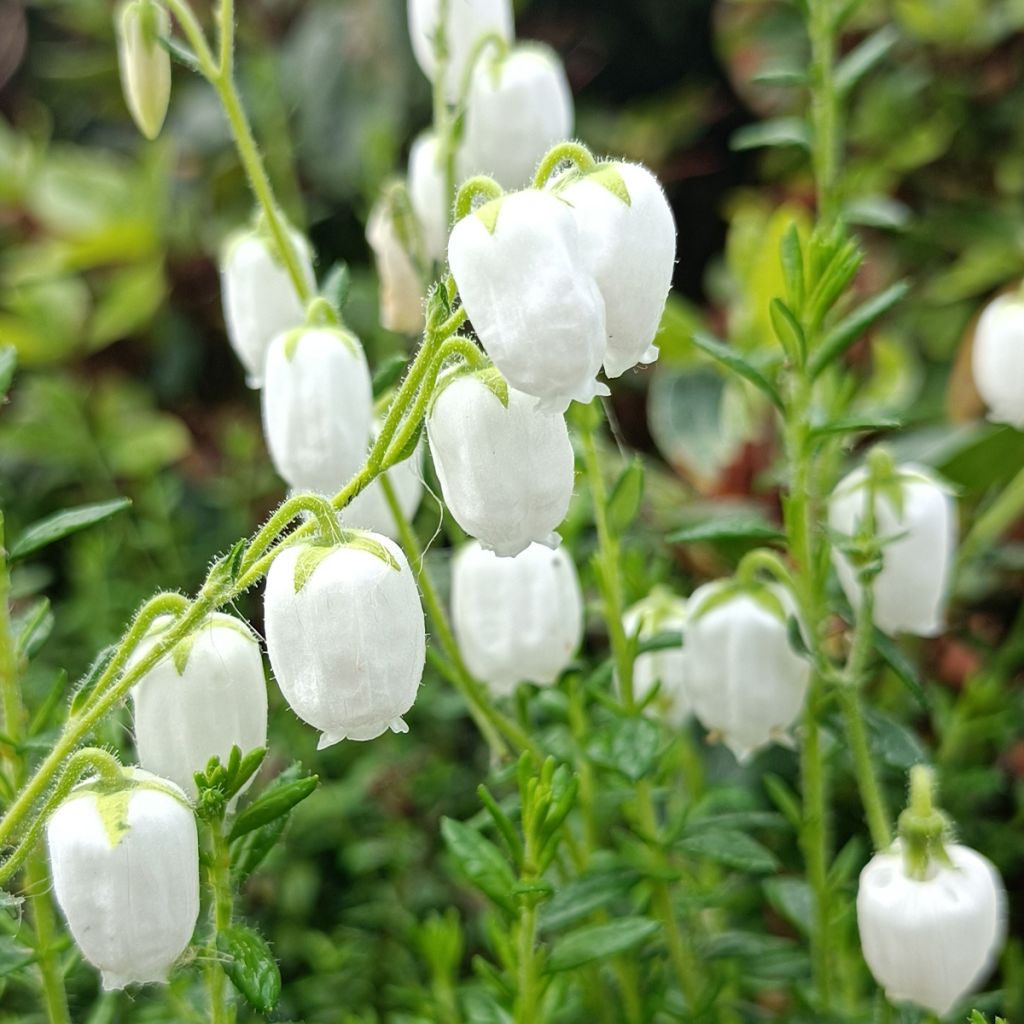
x: 259, y: 297
x: 346, y: 636
x: 915, y: 518
x: 516, y: 619
x: 745, y: 682
x: 317, y: 407
x: 125, y: 869
x: 998, y: 359
x: 144, y: 63
x: 520, y: 105
x: 468, y: 22
x: 206, y: 695
x: 931, y: 940
x: 426, y: 178
x: 660, y: 612
x: 536, y: 308
x: 369, y: 510
x: 393, y: 235
x: 628, y: 240
x: 506, y: 472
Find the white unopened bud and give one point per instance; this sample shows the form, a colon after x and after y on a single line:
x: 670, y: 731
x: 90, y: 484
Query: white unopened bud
x: 468, y: 21
x: 206, y: 695
x: 519, y: 106
x: 998, y: 359
x: 125, y: 868
x: 660, y: 612
x: 506, y: 472
x: 259, y: 296
x: 915, y: 519
x: 628, y: 238
x: 745, y: 682
x: 427, y: 194
x: 516, y: 619
x: 535, y: 306
x: 145, y: 64
x: 346, y: 636
x: 392, y: 233
x: 369, y: 510
x: 930, y: 940
x: 317, y: 407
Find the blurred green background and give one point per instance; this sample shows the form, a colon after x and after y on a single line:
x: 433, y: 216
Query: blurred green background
x: 109, y: 290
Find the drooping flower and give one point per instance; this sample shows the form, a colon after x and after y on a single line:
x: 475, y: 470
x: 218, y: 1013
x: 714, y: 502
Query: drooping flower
x: 998, y: 359
x: 427, y: 194
x: 536, y: 308
x: 660, y: 612
x: 915, y: 519
x: 468, y: 22
x: 519, y: 106
x: 125, y: 868
x: 259, y: 296
x: 345, y: 635
x: 506, y: 471
x: 145, y: 64
x: 516, y: 619
x: 628, y: 241
x: 394, y: 236
x: 744, y: 680
x: 206, y: 695
x: 317, y: 407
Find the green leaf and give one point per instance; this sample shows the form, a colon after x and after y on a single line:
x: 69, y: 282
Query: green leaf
x: 892, y: 654
x: 628, y: 746
x: 600, y: 942
x: 252, y: 849
x: 793, y: 899
x: 389, y: 373
x: 892, y: 743
x: 276, y: 802
x: 850, y: 328
x: 788, y: 330
x: 784, y: 798
x: 481, y: 862
x: 857, y: 425
x: 624, y: 501
x: 62, y: 524
x: 251, y: 966
x: 337, y: 285
x: 729, y: 357
x: 579, y: 898
x: 779, y: 131
x: 8, y: 363
x: 13, y: 956
x: 792, y: 259
x: 863, y: 57
x: 34, y: 628
x: 734, y: 849
x: 727, y: 528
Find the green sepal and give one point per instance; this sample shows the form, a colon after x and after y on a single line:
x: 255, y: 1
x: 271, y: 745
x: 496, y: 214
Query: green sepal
x: 294, y: 336
x: 312, y: 555
x: 488, y: 214
x: 608, y: 176
x: 492, y: 379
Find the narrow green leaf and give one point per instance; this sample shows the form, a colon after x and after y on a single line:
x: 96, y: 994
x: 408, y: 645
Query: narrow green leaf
x: 732, y: 848
x: 62, y: 524
x: 8, y: 363
x: 253, y: 848
x: 600, y: 942
x: 337, y: 285
x: 893, y: 656
x: 729, y: 357
x: 250, y: 964
x: 863, y: 57
x: 779, y: 131
x: 628, y: 746
x: 792, y: 258
x: 481, y: 862
x: 783, y: 77
x: 276, y: 802
x: 793, y: 899
x: 579, y: 898
x: 34, y: 628
x: 727, y: 528
x: 388, y: 374
x: 624, y: 501
x: 788, y: 331
x: 857, y: 425
x: 850, y: 328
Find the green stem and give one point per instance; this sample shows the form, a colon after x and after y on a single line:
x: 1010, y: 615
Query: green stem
x: 10, y: 684
x: 824, y: 107
x: 182, y: 11
x: 994, y: 521
x: 47, y: 935
x: 565, y: 152
x: 526, y: 1002
x: 222, y: 1009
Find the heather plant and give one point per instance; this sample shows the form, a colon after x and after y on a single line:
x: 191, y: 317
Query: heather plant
x: 660, y: 754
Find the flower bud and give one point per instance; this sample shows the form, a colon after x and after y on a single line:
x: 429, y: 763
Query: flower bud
x: 660, y: 612
x: 998, y: 359
x: 744, y: 680
x: 145, y: 64
x: 369, y: 510
x: 392, y: 233
x: 346, y: 636
x: 930, y: 940
x: 506, y: 471
x: 537, y: 310
x: 259, y: 297
x: 516, y: 619
x: 915, y: 522
x: 317, y: 407
x: 206, y: 695
x: 468, y: 21
x: 125, y: 868
x: 628, y: 239
x: 519, y: 106
x: 427, y: 194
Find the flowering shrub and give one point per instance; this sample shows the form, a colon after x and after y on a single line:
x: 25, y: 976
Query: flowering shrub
x: 541, y: 735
